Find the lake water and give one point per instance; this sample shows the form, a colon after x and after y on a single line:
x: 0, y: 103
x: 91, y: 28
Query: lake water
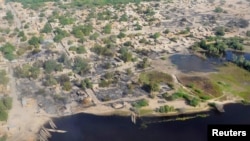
x: 85, y: 127
x: 189, y: 63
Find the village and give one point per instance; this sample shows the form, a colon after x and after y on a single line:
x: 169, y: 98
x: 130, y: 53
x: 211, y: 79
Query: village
x: 113, y: 59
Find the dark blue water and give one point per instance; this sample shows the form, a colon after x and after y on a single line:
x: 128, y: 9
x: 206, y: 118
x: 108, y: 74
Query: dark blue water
x: 85, y: 127
x: 189, y: 63
x: 229, y: 55
x: 193, y: 63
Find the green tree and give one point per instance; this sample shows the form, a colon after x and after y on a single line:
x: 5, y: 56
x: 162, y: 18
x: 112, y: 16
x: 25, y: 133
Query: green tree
x: 220, y: 31
x: 126, y: 56
x: 248, y: 33
x: 4, y: 80
x: 107, y: 29
x: 156, y: 35
x: 9, y: 16
x: 86, y: 83
x: 52, y: 65
x: 8, y: 51
x: 47, y: 28
x: 50, y: 80
x: 80, y: 66
x: 121, y: 35
x: 67, y: 86
x: 34, y: 41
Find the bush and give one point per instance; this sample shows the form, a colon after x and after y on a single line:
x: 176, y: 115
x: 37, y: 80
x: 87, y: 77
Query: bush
x: 165, y: 109
x: 140, y: 103
x: 218, y: 10
x: 4, y: 80
x: 194, y: 102
x: 67, y: 86
x: 248, y: 33
x: 8, y: 51
x: 220, y: 31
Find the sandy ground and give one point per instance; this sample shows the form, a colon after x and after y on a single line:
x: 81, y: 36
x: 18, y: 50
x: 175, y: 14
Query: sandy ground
x: 23, y: 122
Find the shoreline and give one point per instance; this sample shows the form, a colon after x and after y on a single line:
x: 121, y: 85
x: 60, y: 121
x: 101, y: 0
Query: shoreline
x: 127, y: 112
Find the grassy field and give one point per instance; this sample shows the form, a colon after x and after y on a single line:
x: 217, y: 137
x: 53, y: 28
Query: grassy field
x: 156, y: 77
x: 201, y: 86
x: 233, y: 80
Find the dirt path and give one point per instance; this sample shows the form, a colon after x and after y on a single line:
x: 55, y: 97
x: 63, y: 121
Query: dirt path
x: 23, y: 122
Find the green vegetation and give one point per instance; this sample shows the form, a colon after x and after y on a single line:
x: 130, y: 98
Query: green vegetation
x: 8, y: 51
x: 4, y: 79
x: 166, y: 31
x: 66, y: 86
x: 94, y: 36
x: 80, y: 66
x: 248, y: 33
x: 186, y: 31
x: 82, y: 30
x: 218, y: 10
x: 203, y: 87
x: 241, y: 62
x: 5, y: 105
x: 126, y: 55
x: 50, y: 80
x: 3, y: 138
x: 104, y: 15
x: 220, y: 31
x: 52, y: 65
x: 35, y: 41
x: 104, y: 51
x: 233, y: 79
x: 107, y: 29
x: 165, y: 109
x: 150, y: 81
x: 9, y: 16
x: 123, y: 18
x: 86, y: 83
x: 64, y: 60
x: 144, y: 63
x: 156, y: 35
x: 60, y: 34
x: 27, y: 71
x: 78, y: 50
x: 121, y: 35
x: 193, y: 101
x: 80, y: 3
x: 140, y: 103
x: 218, y: 45
x: 65, y: 20
x: 46, y: 29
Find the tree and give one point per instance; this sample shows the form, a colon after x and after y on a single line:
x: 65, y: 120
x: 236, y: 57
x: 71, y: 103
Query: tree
x: 9, y: 16
x: 218, y: 10
x: 123, y: 18
x: 86, y: 83
x: 107, y: 29
x: 80, y: 66
x: 65, y: 60
x: 52, y: 65
x: 94, y: 36
x: 46, y: 29
x: 34, y: 41
x: 220, y: 31
x: 67, y: 86
x: 121, y: 35
x: 4, y: 80
x: 8, y: 51
x: 126, y: 56
x: 50, y: 80
x: 248, y: 33
x: 156, y: 35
